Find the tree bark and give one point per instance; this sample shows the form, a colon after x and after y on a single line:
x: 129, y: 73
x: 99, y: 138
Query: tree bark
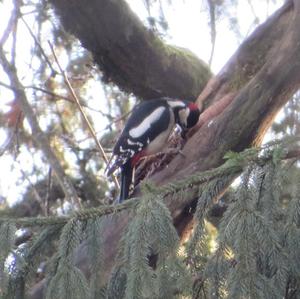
x: 241, y: 101
x: 129, y: 54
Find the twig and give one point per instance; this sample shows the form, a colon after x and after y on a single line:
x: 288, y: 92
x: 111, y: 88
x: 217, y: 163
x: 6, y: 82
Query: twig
x: 10, y: 24
x: 17, y: 4
x: 36, y: 194
x: 48, y: 193
x: 82, y: 215
x: 256, y: 18
x: 56, y: 95
x: 118, y: 119
x: 12, y: 136
x: 48, y: 92
x: 213, y: 31
x: 90, y: 128
x: 37, y: 134
x: 54, y: 72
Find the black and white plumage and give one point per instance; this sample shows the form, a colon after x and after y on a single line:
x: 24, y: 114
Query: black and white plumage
x: 146, y: 132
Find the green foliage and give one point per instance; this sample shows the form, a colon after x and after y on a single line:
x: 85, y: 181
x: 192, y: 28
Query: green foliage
x: 68, y: 281
x: 150, y: 233
x: 260, y: 268
x: 252, y: 259
x: 173, y: 277
x: 7, y: 237
x: 252, y: 253
x: 148, y: 265
x: 95, y: 256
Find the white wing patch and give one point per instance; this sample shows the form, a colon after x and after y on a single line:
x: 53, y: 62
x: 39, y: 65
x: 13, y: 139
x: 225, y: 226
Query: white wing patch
x: 141, y: 128
x: 174, y: 104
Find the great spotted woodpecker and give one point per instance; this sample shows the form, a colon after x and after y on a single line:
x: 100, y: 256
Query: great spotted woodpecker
x: 146, y: 133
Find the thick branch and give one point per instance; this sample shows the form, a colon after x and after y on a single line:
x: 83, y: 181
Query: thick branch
x: 128, y: 53
x: 257, y: 81
x: 256, y: 89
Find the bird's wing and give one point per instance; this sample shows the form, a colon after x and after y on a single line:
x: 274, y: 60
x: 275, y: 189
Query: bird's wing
x: 137, y: 134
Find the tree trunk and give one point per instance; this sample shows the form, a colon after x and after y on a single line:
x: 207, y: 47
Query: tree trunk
x: 241, y: 101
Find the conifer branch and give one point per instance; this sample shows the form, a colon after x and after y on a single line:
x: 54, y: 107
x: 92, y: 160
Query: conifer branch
x: 82, y: 215
x: 150, y: 213
x: 233, y: 166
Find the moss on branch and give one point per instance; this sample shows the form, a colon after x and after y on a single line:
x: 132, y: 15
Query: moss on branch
x: 131, y: 55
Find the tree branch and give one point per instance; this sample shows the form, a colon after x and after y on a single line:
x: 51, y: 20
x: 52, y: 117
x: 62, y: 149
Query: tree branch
x: 129, y: 54
x: 11, y: 24
x: 254, y: 90
x: 37, y: 134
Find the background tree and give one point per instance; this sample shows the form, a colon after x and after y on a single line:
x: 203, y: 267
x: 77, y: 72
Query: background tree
x: 257, y: 245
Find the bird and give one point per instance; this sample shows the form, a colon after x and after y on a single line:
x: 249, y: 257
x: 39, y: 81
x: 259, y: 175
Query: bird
x: 146, y: 132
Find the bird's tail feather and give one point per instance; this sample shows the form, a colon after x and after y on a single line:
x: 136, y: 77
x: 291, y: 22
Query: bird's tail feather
x: 126, y: 181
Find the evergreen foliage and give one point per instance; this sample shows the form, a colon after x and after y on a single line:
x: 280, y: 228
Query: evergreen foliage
x: 94, y: 246
x: 253, y: 259
x: 150, y: 233
x: 252, y: 253
x: 7, y: 236
x: 68, y: 281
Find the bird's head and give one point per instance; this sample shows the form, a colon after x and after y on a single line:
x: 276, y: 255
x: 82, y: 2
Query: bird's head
x: 186, y: 113
x: 189, y: 116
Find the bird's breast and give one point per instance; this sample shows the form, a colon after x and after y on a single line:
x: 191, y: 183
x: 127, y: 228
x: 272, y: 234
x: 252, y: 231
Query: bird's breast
x: 159, y: 142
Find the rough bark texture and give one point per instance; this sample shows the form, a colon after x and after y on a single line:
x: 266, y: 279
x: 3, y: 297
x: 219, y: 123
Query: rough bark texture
x: 259, y: 79
x: 128, y: 53
x: 242, y: 101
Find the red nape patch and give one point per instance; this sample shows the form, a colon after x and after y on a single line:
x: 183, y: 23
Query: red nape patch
x: 193, y: 106
x: 136, y: 158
